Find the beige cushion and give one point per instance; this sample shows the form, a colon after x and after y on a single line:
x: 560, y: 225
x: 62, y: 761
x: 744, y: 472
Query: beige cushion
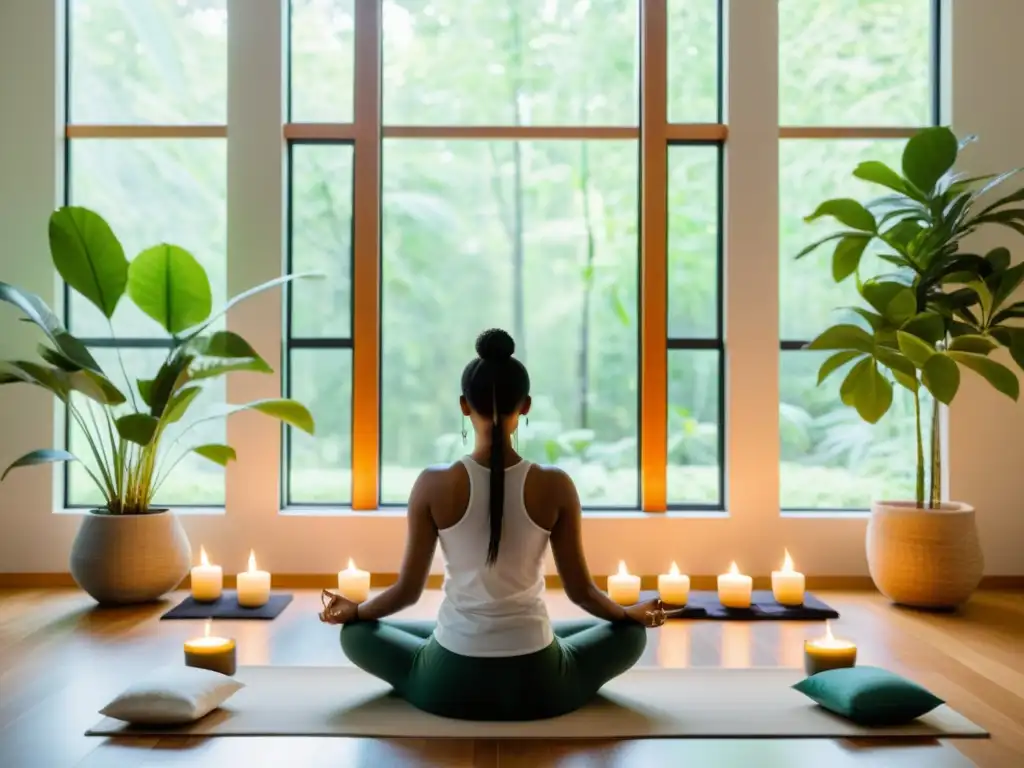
x: 172, y: 695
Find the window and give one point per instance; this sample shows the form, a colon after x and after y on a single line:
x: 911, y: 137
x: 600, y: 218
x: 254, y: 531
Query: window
x: 153, y: 77
x: 856, y: 98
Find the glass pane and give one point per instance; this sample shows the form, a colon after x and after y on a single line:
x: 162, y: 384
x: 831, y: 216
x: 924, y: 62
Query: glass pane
x: 539, y: 238
x: 830, y: 457
x: 811, y: 171
x: 693, y: 40
x: 855, y: 62
x: 161, y: 62
x: 195, y: 480
x: 693, y: 241
x: 152, y: 191
x: 320, y: 468
x: 322, y: 60
x: 694, y: 385
x: 322, y: 240
x: 532, y: 62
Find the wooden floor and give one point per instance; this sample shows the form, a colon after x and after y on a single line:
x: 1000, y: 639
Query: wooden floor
x: 61, y: 659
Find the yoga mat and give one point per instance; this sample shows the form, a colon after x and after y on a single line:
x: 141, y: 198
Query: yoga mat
x: 227, y: 607
x: 645, y: 702
x: 704, y: 605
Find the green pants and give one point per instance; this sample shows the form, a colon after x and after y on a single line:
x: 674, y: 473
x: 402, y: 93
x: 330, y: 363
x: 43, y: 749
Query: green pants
x: 553, y: 681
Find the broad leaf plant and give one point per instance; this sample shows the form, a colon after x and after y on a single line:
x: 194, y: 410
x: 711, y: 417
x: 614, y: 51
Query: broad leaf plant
x: 124, y: 431
x: 940, y: 309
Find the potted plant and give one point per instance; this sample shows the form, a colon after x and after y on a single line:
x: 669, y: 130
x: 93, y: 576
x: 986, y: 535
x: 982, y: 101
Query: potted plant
x: 938, y: 311
x: 128, y: 551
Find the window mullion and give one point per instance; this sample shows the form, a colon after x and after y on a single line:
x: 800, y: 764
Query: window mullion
x: 751, y: 228
x: 255, y: 240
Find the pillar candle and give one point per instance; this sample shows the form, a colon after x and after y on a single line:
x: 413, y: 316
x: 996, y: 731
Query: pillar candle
x: 207, y: 580
x: 623, y: 587
x: 734, y: 588
x: 827, y: 652
x: 353, y: 583
x: 787, y: 584
x: 214, y: 653
x: 253, y: 586
x: 674, y: 587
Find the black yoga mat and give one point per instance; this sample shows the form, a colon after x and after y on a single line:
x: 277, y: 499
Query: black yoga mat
x: 705, y: 605
x: 227, y: 607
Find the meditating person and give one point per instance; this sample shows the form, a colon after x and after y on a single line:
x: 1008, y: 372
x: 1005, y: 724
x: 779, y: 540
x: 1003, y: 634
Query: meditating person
x: 493, y: 653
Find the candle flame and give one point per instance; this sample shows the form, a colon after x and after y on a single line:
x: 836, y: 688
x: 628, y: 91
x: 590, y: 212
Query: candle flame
x: 828, y: 632
x: 674, y: 570
x: 351, y: 564
x: 206, y: 628
x: 733, y: 570
x: 622, y: 568
x: 203, y: 559
x: 252, y: 561
x: 787, y: 564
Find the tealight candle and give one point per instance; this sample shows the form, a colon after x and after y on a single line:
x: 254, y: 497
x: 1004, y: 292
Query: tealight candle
x: 253, y: 585
x: 674, y: 587
x: 353, y: 583
x: 787, y: 584
x: 207, y: 580
x: 623, y: 587
x: 827, y: 652
x: 734, y: 588
x: 214, y: 653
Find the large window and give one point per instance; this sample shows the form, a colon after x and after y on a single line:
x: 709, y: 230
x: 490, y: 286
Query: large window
x: 856, y: 97
x: 147, y: 85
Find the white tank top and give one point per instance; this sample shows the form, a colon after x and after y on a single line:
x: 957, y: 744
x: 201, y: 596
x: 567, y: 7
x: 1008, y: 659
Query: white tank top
x: 497, y: 610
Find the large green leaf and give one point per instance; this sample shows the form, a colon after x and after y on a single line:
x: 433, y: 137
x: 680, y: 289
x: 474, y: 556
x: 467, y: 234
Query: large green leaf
x: 138, y: 428
x: 809, y: 248
x: 88, y: 256
x: 905, y: 381
x: 35, y: 309
x: 879, y: 293
x: 235, y: 353
x: 941, y: 377
x: 217, y: 453
x: 894, y: 361
x: 847, y: 255
x: 867, y: 390
x: 178, y: 405
x: 997, y: 374
x: 844, y: 336
x: 926, y: 325
x: 980, y: 345
x: 880, y: 173
x: 53, y: 380
x: 42, y: 456
x: 847, y: 211
x: 928, y: 155
x: 848, y: 389
x: 1009, y: 281
x: 999, y: 258
x: 172, y: 376
x: 834, y: 362
x: 168, y: 284
x: 917, y: 351
x: 95, y: 387
x: 901, y: 307
x: 289, y: 411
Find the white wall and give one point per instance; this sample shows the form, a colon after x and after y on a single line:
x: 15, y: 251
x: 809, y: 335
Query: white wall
x: 986, y: 447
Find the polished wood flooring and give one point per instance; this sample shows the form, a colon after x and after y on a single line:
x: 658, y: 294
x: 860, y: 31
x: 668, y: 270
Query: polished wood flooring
x: 61, y: 659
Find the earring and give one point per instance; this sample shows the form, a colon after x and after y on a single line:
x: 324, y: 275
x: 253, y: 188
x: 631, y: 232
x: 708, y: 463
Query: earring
x: 527, y: 419
x: 464, y: 435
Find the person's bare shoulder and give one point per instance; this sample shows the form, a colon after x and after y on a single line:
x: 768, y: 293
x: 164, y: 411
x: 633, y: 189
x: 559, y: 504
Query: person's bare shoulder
x: 442, y: 489
x: 551, y: 483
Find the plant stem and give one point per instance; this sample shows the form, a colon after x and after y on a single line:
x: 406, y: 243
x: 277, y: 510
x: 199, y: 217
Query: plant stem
x: 124, y: 372
x: 935, y: 494
x: 919, y: 489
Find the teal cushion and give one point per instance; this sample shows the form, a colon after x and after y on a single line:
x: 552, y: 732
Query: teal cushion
x: 869, y: 695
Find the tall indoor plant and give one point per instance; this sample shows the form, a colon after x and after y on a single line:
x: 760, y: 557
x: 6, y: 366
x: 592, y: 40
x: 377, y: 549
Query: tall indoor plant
x: 939, y: 310
x: 129, y: 551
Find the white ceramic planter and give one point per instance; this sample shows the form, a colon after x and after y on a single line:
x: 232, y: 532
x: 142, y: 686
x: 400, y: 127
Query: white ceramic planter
x: 122, y: 559
x: 925, y: 558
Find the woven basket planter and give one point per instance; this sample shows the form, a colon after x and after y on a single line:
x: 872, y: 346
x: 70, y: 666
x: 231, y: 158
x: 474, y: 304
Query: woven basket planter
x: 924, y: 558
x: 124, y: 559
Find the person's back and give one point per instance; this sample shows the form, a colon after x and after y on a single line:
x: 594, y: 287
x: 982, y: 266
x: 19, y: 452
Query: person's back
x: 497, y: 610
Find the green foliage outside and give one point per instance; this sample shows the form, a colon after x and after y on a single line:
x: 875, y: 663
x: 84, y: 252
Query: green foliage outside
x: 538, y: 237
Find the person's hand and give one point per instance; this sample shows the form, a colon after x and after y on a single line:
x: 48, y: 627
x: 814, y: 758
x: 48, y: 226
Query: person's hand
x: 650, y: 613
x: 337, y: 609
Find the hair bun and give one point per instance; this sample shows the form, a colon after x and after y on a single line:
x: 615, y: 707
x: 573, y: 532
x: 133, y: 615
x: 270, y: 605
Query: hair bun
x: 495, y: 344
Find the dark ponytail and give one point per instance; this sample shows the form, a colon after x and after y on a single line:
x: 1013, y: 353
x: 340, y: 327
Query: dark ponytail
x: 495, y: 385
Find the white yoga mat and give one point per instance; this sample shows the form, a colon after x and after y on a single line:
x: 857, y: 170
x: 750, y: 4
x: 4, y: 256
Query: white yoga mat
x: 643, y: 703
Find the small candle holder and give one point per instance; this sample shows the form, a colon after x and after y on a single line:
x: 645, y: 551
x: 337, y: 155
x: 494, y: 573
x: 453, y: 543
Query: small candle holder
x: 216, y: 654
x: 823, y: 654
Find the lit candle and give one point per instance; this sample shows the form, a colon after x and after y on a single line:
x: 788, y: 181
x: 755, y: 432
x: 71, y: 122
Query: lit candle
x: 214, y: 653
x: 787, y: 584
x: 674, y: 587
x: 828, y: 653
x: 207, y: 580
x: 353, y: 583
x: 253, y: 586
x: 734, y: 588
x: 623, y: 587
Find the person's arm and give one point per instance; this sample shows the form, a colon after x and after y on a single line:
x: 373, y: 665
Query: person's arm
x: 567, y: 546
x: 419, y: 554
